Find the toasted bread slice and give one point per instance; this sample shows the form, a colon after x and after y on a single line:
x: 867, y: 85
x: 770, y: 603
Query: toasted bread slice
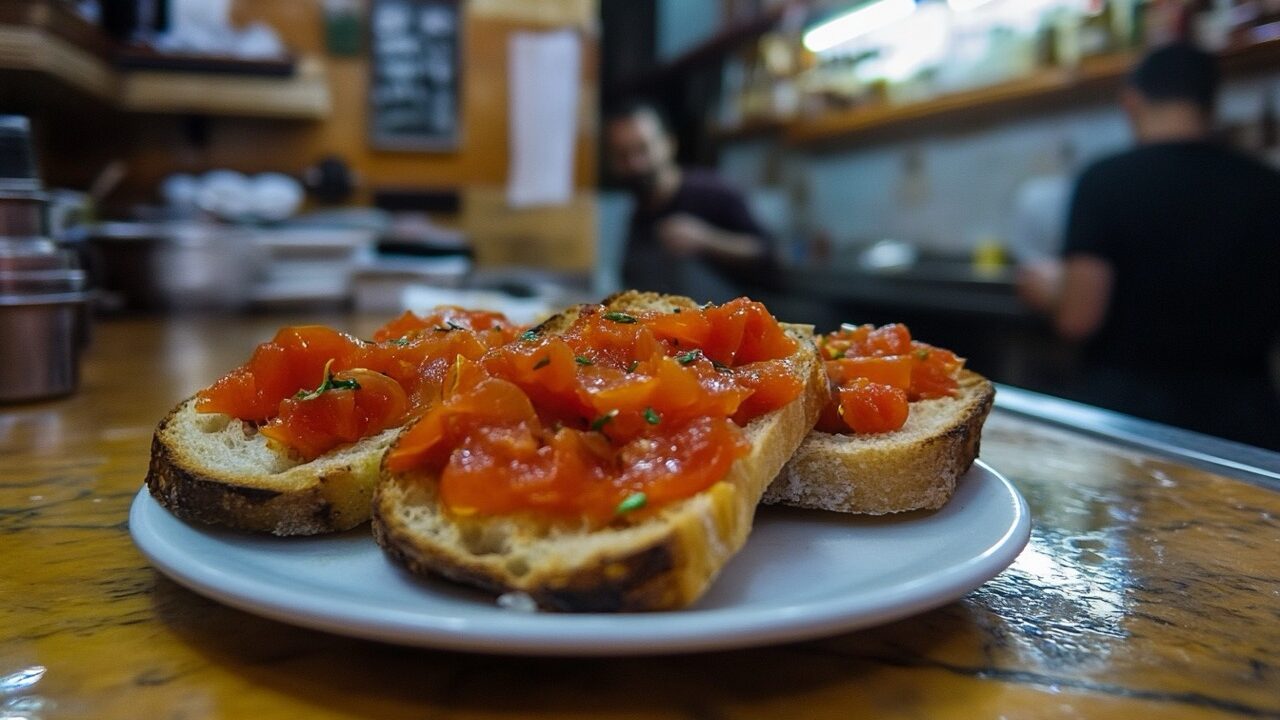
x: 212, y: 468
x: 913, y: 468
x: 663, y: 561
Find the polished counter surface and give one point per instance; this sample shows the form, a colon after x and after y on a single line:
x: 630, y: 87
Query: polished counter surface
x: 1150, y: 587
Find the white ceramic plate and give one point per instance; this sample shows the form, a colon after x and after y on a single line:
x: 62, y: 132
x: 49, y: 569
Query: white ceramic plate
x: 803, y: 574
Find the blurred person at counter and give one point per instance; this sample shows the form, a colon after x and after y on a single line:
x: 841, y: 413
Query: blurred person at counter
x: 690, y: 232
x: 1170, y: 270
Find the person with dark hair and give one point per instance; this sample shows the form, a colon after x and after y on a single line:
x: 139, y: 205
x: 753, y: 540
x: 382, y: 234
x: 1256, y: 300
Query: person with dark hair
x: 1170, y: 274
x: 690, y: 232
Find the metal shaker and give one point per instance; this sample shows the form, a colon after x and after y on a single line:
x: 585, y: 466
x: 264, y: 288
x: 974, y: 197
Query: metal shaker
x: 43, y: 300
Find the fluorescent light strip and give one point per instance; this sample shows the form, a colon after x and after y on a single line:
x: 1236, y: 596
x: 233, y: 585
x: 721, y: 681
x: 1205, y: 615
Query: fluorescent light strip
x: 966, y: 5
x: 855, y: 23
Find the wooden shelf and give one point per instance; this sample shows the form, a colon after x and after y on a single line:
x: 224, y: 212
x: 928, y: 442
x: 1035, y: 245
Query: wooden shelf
x: 303, y: 96
x: 753, y: 128
x: 36, y: 50
x: 1096, y: 80
x: 28, y: 48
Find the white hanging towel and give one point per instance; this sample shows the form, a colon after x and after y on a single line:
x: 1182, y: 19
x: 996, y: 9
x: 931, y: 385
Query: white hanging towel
x: 543, y: 74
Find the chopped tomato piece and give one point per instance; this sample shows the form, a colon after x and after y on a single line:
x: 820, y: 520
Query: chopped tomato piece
x: 687, y: 328
x: 443, y: 319
x: 764, y: 338
x: 830, y: 421
x: 773, y: 383
x: 863, y: 356
x: 933, y: 372
x: 893, y: 370
x: 360, y: 403
x: 869, y: 407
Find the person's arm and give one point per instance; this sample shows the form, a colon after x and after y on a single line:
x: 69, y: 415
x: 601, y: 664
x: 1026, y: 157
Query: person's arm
x: 686, y: 235
x: 1075, y: 291
x: 722, y: 229
x: 1083, y: 296
x: 1039, y: 283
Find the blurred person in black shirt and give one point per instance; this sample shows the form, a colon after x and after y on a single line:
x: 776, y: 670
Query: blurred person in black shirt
x: 690, y: 232
x: 1170, y: 274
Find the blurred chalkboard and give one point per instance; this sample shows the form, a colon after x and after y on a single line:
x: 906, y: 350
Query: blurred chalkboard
x: 413, y: 88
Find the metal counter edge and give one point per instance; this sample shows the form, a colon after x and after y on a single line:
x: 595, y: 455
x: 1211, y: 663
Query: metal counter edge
x: 1225, y: 457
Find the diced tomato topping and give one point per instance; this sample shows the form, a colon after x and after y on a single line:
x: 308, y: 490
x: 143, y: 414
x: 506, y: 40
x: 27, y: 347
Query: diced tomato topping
x: 739, y: 331
x: 892, y: 370
x: 618, y: 412
x: 413, y: 354
x: 864, y: 363
x: 294, y: 359
x: 870, y: 407
x: 314, y: 423
x: 933, y: 372
x: 622, y: 412
x: 443, y: 319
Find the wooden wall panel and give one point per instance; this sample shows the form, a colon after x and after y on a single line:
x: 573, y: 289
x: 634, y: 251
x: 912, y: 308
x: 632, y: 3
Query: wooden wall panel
x: 77, y: 144
x: 77, y: 141
x: 256, y: 145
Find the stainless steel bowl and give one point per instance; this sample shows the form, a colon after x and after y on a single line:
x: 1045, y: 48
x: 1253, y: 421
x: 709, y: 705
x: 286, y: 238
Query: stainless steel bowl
x: 41, y: 340
x: 43, y: 322
x: 175, y: 266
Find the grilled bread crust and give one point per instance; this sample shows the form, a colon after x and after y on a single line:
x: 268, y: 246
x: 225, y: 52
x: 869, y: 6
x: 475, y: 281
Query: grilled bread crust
x: 214, y: 469
x: 913, y: 468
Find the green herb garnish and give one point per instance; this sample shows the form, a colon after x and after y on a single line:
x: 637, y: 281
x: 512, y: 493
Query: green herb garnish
x: 598, y: 424
x: 584, y: 360
x: 401, y: 341
x: 634, y: 501
x: 542, y: 363
x: 632, y: 367
x: 651, y: 416
x: 922, y: 354
x: 329, y: 383
x: 689, y: 357
x: 619, y: 317
x: 529, y: 335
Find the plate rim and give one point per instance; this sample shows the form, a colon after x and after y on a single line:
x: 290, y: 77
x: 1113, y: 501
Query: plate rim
x: 589, y: 634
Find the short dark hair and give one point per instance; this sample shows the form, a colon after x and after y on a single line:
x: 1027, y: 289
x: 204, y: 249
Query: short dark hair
x: 1178, y: 72
x: 628, y: 109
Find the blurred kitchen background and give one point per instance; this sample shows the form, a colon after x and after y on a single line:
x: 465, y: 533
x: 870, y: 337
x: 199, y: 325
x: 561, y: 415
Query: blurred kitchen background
x: 267, y: 155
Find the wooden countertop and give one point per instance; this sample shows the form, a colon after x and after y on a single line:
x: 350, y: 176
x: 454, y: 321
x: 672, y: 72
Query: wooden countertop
x: 1149, y: 588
